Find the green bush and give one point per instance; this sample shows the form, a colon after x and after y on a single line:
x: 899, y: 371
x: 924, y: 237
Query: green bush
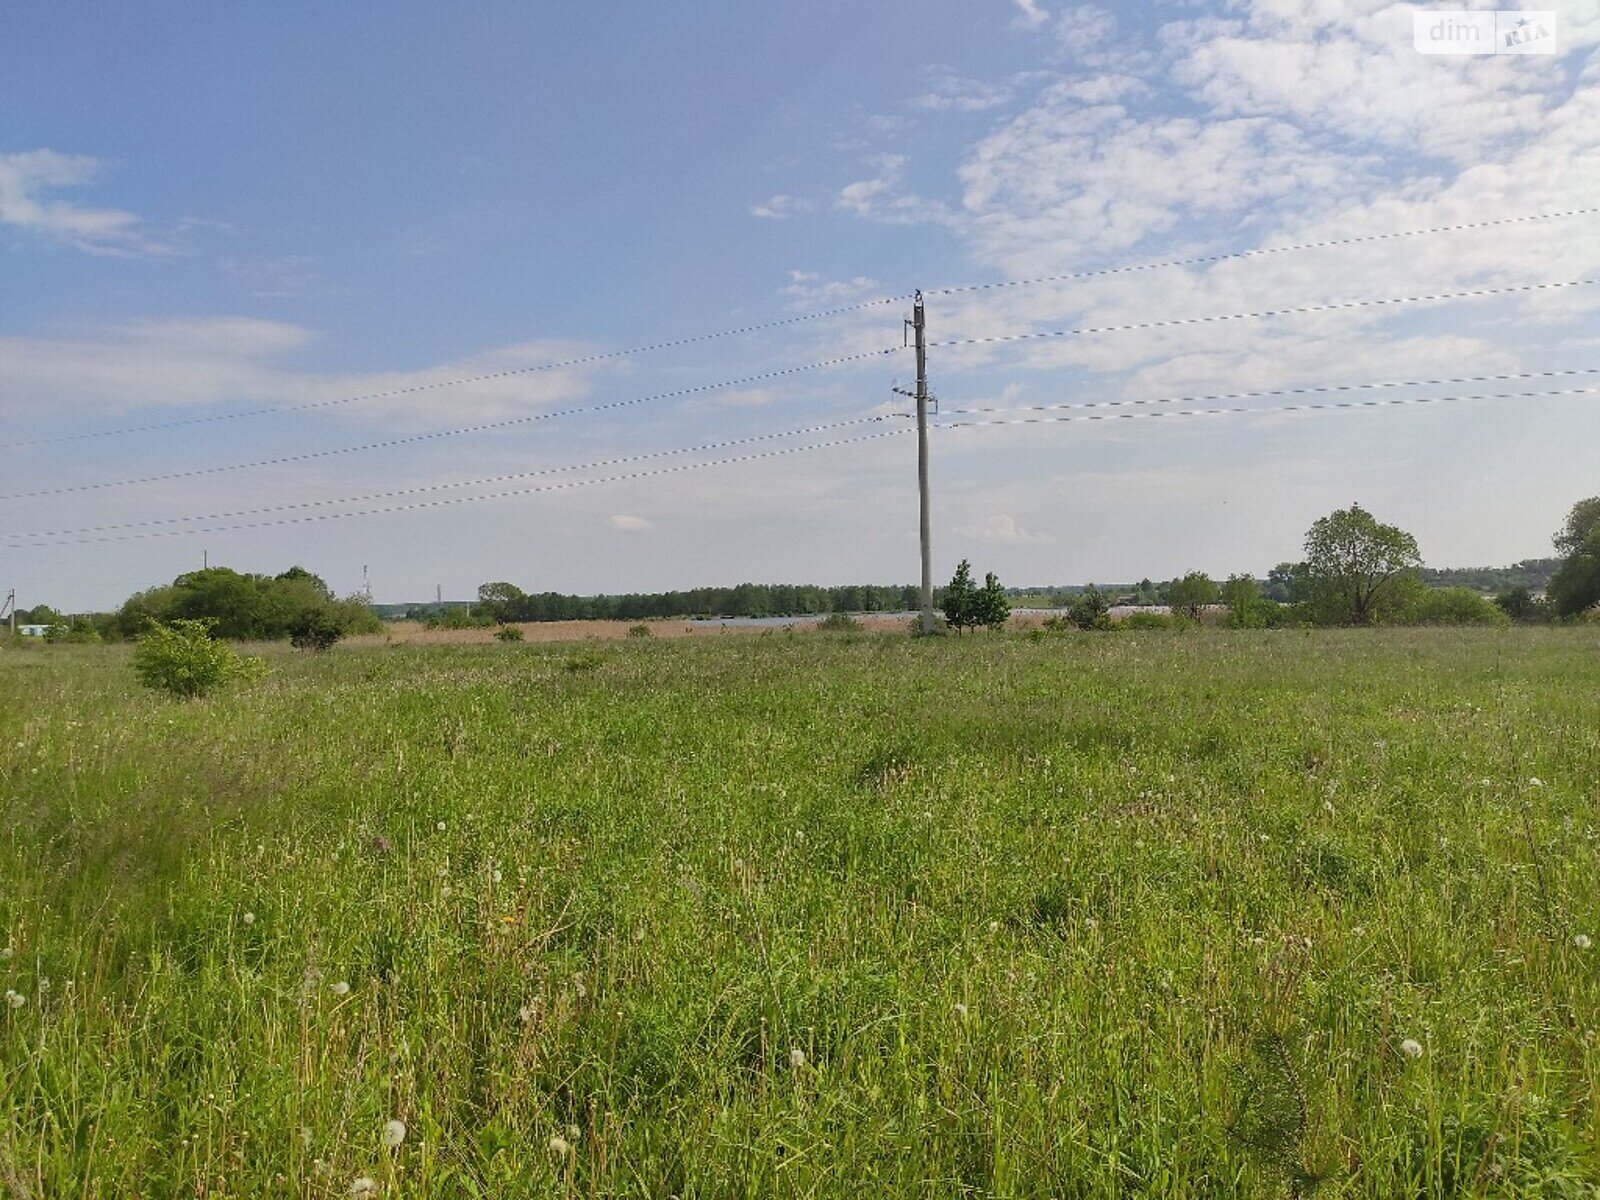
x: 508, y: 633
x: 1451, y: 606
x: 182, y: 658
x: 638, y: 631
x: 838, y: 623
x: 315, y: 629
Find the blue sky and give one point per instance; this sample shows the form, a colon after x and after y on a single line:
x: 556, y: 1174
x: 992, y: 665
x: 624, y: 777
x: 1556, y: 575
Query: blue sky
x: 206, y: 210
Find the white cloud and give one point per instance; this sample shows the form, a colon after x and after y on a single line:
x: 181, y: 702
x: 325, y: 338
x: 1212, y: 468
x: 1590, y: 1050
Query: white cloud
x: 807, y: 291
x: 28, y: 178
x: 1001, y: 528
x: 881, y: 197
x: 781, y: 207
x: 950, y: 92
x: 1029, y: 14
x: 626, y: 523
x: 163, y: 364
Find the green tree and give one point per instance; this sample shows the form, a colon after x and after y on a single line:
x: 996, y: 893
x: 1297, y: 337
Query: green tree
x: 994, y: 606
x: 961, y: 599
x: 1248, y: 607
x: 502, y: 601
x: 1575, y: 587
x: 1356, y: 567
x: 1090, y: 610
x: 1192, y: 593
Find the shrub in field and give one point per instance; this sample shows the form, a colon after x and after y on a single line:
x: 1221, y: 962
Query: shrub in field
x: 1090, y: 609
x: 638, y: 631
x: 315, y: 629
x: 508, y: 633
x: 837, y: 623
x: 1452, y: 606
x: 182, y: 658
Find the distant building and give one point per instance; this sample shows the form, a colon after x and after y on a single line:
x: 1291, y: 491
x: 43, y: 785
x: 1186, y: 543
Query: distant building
x: 33, y: 630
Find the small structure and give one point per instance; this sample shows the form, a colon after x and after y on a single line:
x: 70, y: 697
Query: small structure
x: 33, y: 630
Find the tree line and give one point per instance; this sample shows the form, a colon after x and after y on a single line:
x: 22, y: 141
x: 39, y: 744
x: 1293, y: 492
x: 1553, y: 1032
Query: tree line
x: 504, y: 602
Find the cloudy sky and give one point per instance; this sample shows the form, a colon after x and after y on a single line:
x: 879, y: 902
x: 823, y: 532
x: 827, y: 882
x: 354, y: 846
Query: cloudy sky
x: 293, y: 284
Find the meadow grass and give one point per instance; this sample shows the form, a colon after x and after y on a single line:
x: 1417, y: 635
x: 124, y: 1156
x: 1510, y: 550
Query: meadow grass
x: 1090, y: 915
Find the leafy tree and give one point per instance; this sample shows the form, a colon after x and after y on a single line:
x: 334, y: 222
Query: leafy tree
x: 1192, y: 593
x: 1090, y: 610
x: 961, y: 599
x: 1575, y: 586
x: 1248, y: 607
x: 1356, y: 567
x: 1521, y: 605
x: 502, y: 601
x: 994, y: 606
x: 1287, y: 583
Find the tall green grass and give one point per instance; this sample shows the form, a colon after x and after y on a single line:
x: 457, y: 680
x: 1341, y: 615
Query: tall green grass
x: 784, y: 915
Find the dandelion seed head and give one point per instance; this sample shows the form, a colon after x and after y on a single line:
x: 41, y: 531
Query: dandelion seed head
x: 440, y: 826
x: 15, y: 999
x: 1536, y: 782
x: 364, y: 1185
x: 394, y: 1132
x: 6, y: 953
x: 797, y: 1058
x: 1411, y: 1048
x: 1581, y: 941
x: 249, y: 918
x: 961, y: 1011
x: 559, y: 1145
x: 342, y: 988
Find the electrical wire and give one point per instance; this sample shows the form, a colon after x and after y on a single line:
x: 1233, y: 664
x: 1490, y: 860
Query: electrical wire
x: 1274, y: 408
x: 1294, y: 391
x: 452, y: 500
x: 1265, y: 250
x: 412, y: 439
x: 464, y: 483
x: 1335, y: 306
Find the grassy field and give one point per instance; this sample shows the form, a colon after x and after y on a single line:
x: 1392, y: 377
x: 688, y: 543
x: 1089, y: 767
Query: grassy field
x: 1201, y: 915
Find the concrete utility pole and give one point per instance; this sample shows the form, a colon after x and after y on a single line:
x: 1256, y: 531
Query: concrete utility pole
x: 919, y: 327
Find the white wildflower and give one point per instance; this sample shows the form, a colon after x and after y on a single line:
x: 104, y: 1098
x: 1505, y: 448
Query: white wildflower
x: 342, y: 988
x: 249, y: 918
x: 1535, y: 781
x: 15, y: 999
x: 1411, y: 1048
x: 797, y: 1058
x: 559, y: 1145
x: 6, y: 953
x: 394, y: 1132
x: 1581, y: 941
x: 440, y: 826
x: 961, y: 1011
x: 365, y: 1185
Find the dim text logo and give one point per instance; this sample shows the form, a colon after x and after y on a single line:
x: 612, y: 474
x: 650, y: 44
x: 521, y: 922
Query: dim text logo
x: 1485, y: 31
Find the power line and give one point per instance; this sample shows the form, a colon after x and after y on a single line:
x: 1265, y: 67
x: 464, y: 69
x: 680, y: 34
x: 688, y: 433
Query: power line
x: 451, y: 500
x: 464, y: 483
x: 1214, y: 258
x: 412, y: 439
x: 1294, y: 391
x: 1268, y: 312
x: 445, y: 383
x: 1275, y: 408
